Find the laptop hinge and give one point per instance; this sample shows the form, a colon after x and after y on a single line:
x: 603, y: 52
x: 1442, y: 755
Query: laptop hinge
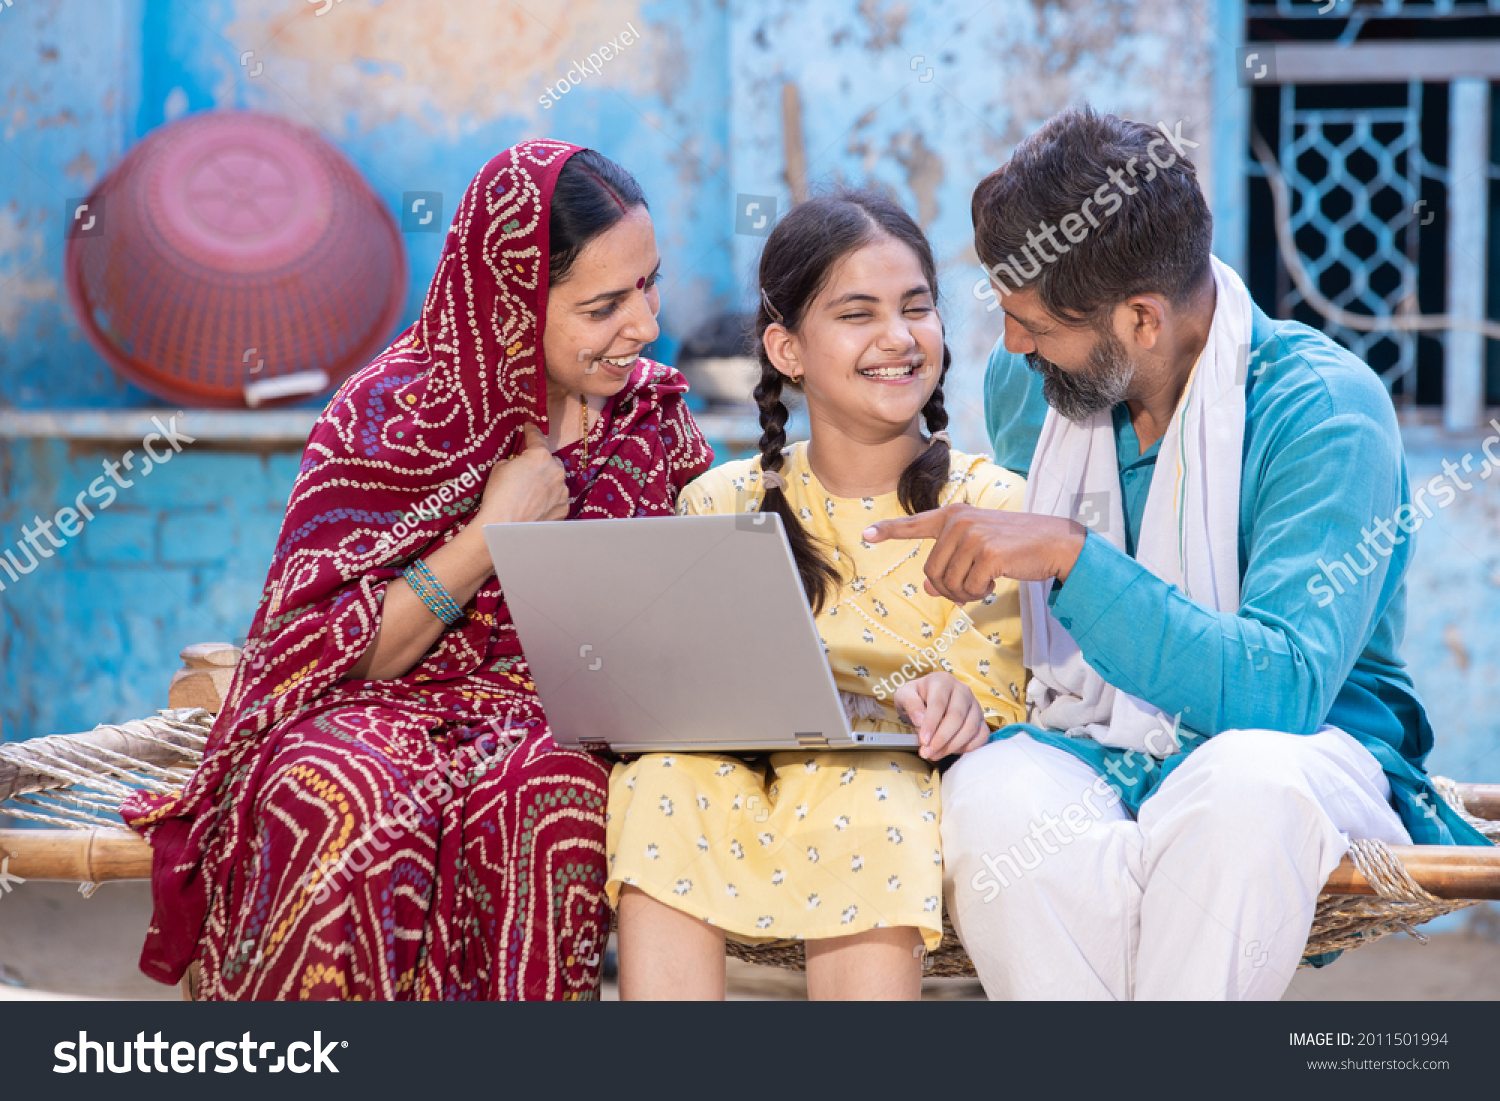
x: 593, y: 746
x: 814, y: 740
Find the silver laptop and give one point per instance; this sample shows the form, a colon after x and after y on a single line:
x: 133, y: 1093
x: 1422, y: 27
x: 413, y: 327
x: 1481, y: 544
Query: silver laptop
x: 672, y: 633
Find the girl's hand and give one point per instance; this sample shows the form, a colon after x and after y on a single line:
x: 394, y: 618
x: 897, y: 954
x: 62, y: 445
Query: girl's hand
x: 947, y: 716
x: 529, y: 486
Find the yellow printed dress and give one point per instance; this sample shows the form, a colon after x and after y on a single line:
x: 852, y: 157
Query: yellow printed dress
x: 809, y: 845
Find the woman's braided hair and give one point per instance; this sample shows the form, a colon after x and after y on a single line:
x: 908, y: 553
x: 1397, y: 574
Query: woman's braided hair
x: 798, y: 257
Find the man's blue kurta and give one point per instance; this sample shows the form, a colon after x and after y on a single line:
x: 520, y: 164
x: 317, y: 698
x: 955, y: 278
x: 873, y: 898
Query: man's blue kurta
x: 1326, y: 522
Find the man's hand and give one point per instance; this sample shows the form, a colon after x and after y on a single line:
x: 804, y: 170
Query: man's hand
x: 947, y: 716
x: 976, y: 545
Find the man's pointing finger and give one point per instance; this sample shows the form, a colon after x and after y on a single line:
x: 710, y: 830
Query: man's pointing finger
x: 924, y: 525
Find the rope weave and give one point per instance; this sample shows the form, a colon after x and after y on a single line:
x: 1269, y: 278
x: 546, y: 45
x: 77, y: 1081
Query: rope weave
x: 1345, y: 922
x: 1448, y: 789
x: 79, y: 784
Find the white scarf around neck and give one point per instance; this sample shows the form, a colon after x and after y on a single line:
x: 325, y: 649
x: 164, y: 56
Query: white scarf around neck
x: 1189, y: 533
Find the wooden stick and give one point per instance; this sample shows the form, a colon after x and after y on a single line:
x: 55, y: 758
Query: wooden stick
x: 791, y: 142
x: 1448, y: 871
x: 75, y: 856
x: 101, y: 856
x: 1481, y: 800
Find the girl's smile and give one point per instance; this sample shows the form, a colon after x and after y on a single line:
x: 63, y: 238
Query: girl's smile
x: 895, y: 371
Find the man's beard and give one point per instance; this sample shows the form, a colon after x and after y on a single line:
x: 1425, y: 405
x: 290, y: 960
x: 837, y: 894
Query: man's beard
x: 1100, y: 384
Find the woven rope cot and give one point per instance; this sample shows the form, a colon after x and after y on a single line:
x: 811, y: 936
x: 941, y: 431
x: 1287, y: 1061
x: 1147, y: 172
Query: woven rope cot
x: 73, y: 784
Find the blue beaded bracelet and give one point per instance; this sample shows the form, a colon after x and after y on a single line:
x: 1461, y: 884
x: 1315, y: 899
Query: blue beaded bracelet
x: 437, y: 599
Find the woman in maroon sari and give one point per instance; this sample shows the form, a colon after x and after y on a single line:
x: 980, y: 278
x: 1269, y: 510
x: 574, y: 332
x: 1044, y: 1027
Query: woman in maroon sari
x: 381, y: 812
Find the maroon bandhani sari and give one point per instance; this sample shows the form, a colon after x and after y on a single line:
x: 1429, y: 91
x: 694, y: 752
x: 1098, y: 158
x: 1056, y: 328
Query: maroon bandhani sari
x: 417, y: 837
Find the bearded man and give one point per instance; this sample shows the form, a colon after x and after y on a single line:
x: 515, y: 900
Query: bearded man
x: 1213, y: 560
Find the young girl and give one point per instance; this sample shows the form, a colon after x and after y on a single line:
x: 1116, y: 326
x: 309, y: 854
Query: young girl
x: 838, y: 849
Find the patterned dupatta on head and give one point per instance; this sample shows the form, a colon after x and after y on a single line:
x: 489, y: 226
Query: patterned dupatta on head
x: 431, y: 415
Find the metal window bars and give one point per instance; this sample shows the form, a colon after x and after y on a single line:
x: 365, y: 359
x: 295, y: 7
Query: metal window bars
x: 1347, y: 186
x: 1356, y: 222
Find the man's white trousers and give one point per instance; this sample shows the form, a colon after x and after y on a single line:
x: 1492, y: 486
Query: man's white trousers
x: 1056, y: 892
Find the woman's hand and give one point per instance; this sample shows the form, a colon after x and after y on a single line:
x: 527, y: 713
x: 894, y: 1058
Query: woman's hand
x: 947, y: 716
x: 529, y: 486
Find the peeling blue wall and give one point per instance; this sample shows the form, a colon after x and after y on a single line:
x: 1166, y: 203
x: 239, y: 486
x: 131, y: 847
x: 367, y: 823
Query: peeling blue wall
x: 92, y: 634
x: 1453, y: 608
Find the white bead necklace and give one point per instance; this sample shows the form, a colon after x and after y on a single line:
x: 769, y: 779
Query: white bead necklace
x: 851, y: 599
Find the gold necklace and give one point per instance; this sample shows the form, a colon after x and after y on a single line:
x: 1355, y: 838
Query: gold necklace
x: 583, y: 428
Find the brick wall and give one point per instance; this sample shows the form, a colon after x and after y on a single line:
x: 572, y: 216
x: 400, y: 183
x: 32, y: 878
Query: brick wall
x: 93, y: 633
